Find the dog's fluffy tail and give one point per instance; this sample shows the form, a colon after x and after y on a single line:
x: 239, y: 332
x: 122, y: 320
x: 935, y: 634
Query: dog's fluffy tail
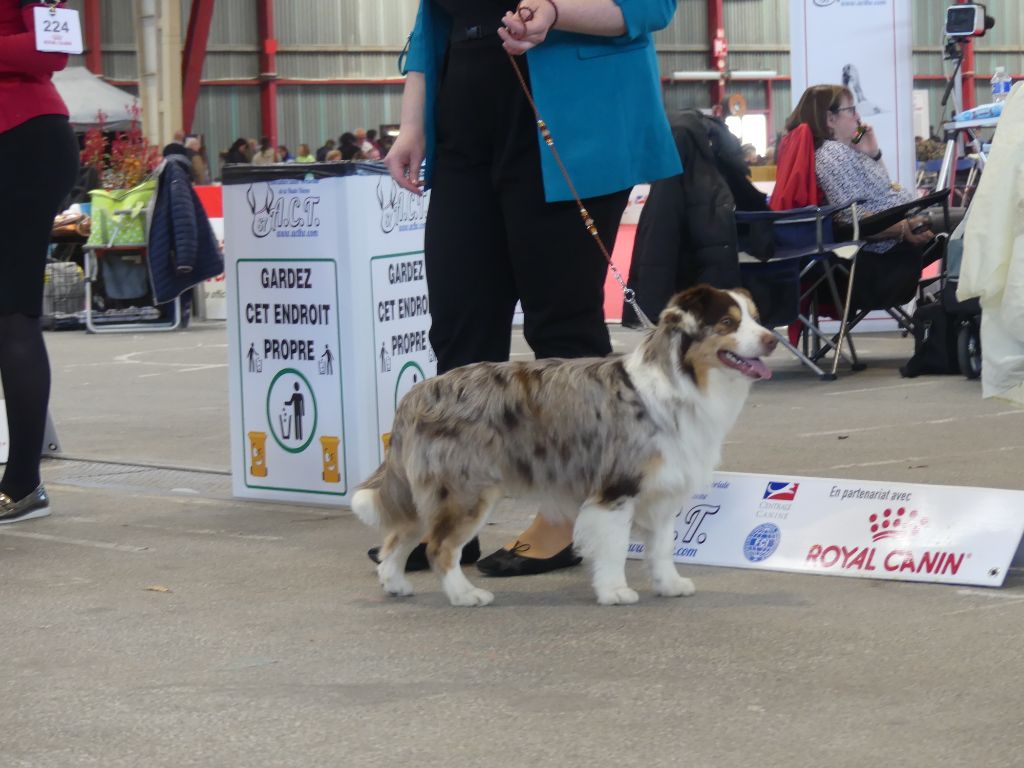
x: 364, y: 504
x: 384, y: 500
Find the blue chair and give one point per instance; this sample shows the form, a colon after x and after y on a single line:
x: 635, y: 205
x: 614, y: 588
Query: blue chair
x: 790, y: 262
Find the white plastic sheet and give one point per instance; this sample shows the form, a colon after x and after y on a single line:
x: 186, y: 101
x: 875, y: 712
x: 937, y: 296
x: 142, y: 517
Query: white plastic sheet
x: 993, y: 264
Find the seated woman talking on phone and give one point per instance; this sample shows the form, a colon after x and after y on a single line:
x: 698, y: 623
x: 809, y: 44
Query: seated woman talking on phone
x: 849, y: 166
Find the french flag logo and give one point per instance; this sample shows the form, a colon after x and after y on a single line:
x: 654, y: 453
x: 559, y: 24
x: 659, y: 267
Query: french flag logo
x: 781, y: 491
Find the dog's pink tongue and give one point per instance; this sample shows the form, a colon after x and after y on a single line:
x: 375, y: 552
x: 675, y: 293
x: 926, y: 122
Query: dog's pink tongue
x: 758, y: 368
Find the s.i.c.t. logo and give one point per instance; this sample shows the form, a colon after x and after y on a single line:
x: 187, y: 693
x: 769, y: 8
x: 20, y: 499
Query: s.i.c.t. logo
x: 399, y: 208
x: 290, y: 212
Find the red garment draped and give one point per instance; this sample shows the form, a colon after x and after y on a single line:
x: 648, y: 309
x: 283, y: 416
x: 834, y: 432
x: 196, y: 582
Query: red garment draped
x: 796, y: 184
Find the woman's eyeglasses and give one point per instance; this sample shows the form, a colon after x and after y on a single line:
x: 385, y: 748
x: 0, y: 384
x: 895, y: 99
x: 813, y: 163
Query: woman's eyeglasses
x: 837, y: 110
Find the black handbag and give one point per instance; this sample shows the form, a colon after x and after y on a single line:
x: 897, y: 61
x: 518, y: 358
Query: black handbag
x: 935, y: 341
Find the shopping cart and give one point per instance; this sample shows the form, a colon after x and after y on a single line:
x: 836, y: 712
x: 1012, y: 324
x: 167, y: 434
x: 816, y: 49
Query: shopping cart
x: 118, y: 241
x: 63, y: 295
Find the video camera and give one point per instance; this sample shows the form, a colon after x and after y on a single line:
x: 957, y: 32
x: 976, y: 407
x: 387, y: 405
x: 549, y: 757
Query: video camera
x: 969, y: 20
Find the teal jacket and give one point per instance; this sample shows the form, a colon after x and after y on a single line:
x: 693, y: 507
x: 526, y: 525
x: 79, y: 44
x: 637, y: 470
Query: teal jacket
x: 600, y: 97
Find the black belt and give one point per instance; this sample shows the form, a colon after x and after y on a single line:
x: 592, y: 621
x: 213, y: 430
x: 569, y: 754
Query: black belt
x: 461, y: 32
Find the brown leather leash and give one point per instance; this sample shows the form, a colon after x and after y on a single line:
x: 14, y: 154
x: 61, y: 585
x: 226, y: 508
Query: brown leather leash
x: 588, y: 222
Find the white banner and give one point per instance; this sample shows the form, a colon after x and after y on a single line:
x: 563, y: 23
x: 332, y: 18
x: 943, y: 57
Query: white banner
x: 866, y: 46
x: 882, y: 530
x: 215, y: 294
x: 635, y: 204
x: 4, y: 440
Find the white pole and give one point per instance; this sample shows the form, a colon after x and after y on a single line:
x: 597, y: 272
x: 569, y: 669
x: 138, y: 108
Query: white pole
x: 158, y: 39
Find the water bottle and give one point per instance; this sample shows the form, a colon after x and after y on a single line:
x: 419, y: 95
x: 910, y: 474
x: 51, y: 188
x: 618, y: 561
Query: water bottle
x: 1001, y: 83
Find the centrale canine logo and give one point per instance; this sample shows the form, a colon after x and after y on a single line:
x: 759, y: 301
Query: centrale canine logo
x: 895, y: 522
x: 780, y: 491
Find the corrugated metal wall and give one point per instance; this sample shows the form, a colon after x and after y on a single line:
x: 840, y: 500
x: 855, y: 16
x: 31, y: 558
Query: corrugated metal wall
x: 757, y: 31
x: 360, y: 39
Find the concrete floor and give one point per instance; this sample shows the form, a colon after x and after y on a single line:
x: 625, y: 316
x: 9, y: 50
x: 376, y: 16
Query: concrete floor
x: 154, y: 621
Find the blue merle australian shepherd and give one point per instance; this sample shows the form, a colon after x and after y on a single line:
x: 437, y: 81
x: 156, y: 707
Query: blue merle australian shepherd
x: 610, y: 443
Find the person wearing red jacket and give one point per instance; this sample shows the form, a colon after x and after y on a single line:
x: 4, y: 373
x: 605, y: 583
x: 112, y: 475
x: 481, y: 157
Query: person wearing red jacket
x: 39, y: 162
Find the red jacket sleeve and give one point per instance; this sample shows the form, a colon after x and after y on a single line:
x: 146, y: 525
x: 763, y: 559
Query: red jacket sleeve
x: 18, y: 52
x: 796, y: 183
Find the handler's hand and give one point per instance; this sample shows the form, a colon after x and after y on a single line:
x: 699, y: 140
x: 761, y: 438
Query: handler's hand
x: 405, y: 159
x: 527, y: 27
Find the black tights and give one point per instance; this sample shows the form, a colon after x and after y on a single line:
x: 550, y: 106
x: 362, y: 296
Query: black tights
x: 25, y: 372
x: 34, y: 186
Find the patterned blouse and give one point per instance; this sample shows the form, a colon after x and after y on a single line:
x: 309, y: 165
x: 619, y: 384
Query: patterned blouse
x: 846, y: 174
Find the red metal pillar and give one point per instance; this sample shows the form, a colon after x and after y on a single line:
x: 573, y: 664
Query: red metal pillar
x: 192, y: 58
x: 268, y: 70
x: 718, y: 49
x: 93, y: 29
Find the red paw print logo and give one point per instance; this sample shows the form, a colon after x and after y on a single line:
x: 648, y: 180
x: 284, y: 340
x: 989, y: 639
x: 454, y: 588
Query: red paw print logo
x: 894, y: 522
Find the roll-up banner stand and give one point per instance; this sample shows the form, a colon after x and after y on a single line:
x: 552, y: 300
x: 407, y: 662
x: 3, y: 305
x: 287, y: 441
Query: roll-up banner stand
x: 327, y: 323
x: 866, y: 46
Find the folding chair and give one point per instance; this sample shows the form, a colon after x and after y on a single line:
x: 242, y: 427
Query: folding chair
x: 787, y: 261
x: 860, y: 300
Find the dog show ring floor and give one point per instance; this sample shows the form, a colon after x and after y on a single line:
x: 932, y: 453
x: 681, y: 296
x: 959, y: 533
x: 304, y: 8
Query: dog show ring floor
x: 153, y: 620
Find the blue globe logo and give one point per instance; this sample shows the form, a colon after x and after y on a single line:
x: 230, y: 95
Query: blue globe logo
x: 761, y: 542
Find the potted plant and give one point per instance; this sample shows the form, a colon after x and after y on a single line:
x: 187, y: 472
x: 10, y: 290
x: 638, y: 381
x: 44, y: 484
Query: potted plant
x: 123, y: 164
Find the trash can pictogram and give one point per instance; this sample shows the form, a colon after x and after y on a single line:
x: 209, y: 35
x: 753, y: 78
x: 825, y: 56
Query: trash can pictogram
x: 258, y: 454
x: 329, y: 445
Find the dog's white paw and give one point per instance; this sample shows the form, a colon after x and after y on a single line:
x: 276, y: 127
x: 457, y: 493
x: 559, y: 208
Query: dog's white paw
x: 617, y: 596
x: 472, y: 597
x: 397, y: 587
x: 394, y: 583
x: 674, y: 587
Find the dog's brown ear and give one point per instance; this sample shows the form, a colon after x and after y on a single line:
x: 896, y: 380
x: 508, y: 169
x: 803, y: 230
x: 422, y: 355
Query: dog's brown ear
x: 701, y: 301
x: 670, y: 317
x: 744, y: 292
x: 687, y: 313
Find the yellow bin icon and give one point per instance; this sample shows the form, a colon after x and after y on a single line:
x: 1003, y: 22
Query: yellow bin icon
x: 258, y: 454
x: 329, y: 445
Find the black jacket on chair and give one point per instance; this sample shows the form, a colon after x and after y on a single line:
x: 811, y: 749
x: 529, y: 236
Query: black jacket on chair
x: 687, y: 229
x: 183, y: 250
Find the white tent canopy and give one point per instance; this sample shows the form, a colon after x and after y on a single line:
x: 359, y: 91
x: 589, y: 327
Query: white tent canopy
x: 86, y: 94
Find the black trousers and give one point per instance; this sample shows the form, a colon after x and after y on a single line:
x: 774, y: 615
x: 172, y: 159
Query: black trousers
x: 491, y: 239
x: 39, y: 159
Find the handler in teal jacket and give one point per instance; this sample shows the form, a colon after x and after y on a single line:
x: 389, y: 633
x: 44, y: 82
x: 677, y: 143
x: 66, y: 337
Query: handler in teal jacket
x: 600, y: 97
x: 500, y: 227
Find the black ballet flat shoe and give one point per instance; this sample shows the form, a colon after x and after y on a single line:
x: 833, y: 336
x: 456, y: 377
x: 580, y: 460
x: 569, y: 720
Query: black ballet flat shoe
x: 509, y: 562
x: 418, y: 558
